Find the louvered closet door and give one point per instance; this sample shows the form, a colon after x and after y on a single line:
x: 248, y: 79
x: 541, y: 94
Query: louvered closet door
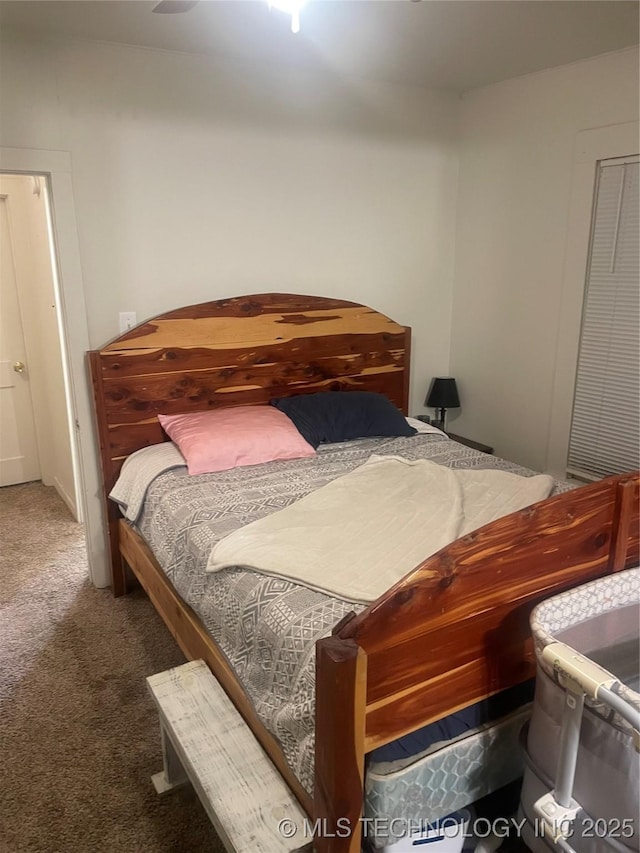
x: 605, y: 430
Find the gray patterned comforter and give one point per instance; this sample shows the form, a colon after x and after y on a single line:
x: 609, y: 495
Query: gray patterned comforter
x: 267, y: 626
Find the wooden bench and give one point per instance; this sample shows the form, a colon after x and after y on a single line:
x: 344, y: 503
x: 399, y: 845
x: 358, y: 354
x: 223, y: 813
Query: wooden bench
x: 206, y: 742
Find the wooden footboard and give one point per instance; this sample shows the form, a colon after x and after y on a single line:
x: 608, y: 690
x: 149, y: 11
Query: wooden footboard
x: 454, y: 631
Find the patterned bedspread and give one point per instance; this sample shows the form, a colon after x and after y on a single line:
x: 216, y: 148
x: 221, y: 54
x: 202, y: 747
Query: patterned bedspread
x: 267, y: 626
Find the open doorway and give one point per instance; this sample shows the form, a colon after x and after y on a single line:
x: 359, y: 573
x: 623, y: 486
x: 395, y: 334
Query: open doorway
x: 56, y: 166
x: 36, y: 420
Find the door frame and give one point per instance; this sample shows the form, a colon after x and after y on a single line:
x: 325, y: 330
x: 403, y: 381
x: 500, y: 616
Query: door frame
x: 56, y: 166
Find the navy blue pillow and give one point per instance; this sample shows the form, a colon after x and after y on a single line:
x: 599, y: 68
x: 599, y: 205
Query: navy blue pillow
x: 343, y: 415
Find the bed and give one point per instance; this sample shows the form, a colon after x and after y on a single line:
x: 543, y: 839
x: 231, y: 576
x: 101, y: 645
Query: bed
x: 451, y: 633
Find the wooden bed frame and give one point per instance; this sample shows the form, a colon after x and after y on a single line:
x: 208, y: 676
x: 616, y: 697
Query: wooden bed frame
x: 452, y: 632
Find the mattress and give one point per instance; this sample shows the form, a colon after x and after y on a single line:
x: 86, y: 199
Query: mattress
x: 267, y: 626
x: 449, y: 776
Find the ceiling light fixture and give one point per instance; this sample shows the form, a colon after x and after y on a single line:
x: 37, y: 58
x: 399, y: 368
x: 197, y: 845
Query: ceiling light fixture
x: 292, y: 8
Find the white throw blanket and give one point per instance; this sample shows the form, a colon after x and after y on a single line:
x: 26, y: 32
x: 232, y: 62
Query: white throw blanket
x: 359, y: 534
x: 139, y: 471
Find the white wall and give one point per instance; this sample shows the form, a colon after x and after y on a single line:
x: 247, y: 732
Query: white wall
x: 518, y: 142
x: 196, y: 180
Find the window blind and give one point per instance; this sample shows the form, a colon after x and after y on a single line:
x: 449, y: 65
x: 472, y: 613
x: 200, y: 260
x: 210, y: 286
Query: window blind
x: 605, y: 428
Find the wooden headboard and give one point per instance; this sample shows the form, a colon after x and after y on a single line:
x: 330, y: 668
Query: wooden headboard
x: 239, y: 351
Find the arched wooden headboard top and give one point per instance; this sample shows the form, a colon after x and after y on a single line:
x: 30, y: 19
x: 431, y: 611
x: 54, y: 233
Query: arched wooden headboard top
x: 239, y: 351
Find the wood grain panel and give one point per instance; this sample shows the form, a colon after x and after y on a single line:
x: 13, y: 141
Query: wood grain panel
x: 129, y: 400
x: 626, y: 526
x: 262, y: 303
x: 220, y: 332
x: 383, y: 347
x: 133, y: 431
x: 341, y: 672
x: 486, y: 634
x: 440, y: 696
x: 234, y: 352
x: 252, y: 305
x: 208, y: 395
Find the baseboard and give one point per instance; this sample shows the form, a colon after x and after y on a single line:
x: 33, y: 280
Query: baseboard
x: 57, y: 485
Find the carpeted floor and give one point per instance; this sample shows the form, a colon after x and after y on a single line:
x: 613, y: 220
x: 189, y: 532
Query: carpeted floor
x: 79, y: 737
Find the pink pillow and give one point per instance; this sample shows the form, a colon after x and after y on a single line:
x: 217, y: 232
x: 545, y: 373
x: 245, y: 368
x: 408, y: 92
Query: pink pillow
x: 227, y: 438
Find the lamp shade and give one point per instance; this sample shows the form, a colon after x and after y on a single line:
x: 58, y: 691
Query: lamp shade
x: 443, y: 393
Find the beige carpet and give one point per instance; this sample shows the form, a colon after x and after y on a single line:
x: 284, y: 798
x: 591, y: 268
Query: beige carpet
x: 78, y: 734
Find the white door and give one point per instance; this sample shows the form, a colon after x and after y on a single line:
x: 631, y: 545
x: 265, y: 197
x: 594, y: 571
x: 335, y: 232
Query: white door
x: 19, y: 462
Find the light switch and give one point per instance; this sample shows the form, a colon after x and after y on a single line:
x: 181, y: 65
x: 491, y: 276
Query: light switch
x: 128, y: 320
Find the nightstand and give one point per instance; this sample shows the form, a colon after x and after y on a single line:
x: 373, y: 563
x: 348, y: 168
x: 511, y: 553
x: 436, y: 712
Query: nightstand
x: 469, y: 442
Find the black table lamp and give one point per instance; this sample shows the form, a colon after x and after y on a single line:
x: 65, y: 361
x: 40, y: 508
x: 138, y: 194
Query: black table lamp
x: 443, y: 395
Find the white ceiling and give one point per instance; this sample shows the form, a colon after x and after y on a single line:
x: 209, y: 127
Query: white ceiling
x: 451, y: 44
